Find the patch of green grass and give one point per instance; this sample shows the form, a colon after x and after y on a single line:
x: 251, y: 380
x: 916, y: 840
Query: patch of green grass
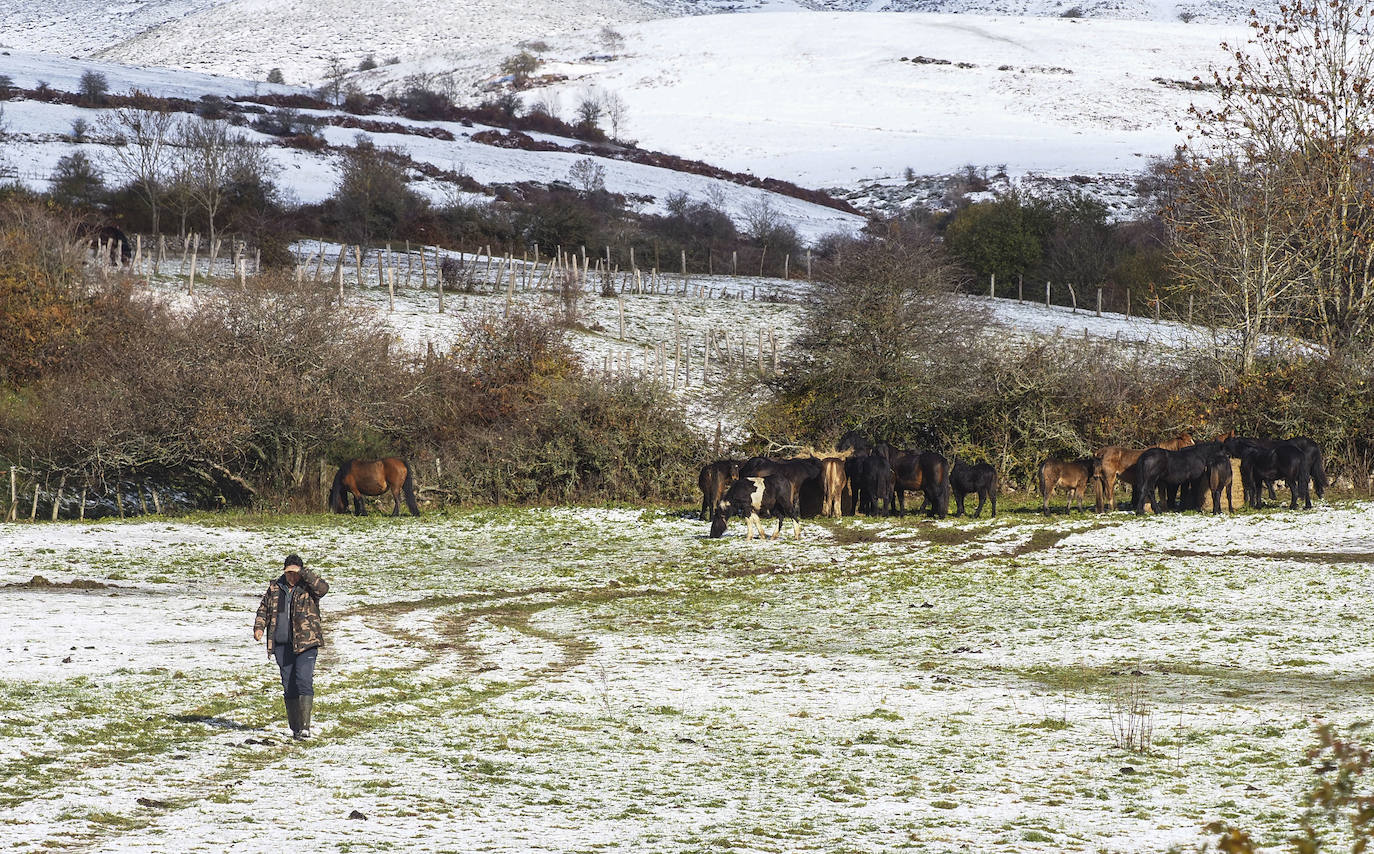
x: 882, y: 714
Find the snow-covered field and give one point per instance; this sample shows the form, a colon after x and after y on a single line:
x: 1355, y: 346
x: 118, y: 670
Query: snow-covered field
x: 588, y: 679
x: 38, y: 135
x: 833, y: 99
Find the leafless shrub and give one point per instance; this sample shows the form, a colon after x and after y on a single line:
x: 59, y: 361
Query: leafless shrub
x: 1132, y: 717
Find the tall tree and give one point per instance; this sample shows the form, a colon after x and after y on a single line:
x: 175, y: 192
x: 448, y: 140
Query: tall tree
x: 1293, y: 125
x: 140, y: 149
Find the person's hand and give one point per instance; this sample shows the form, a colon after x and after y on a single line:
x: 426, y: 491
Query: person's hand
x: 257, y: 634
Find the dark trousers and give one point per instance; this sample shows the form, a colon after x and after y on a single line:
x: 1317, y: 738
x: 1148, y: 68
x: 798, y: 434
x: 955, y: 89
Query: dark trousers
x: 297, y: 671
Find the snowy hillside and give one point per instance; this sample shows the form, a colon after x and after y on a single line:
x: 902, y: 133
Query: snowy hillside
x: 226, y: 36
x: 836, y: 99
x: 1130, y: 10
x: 39, y: 135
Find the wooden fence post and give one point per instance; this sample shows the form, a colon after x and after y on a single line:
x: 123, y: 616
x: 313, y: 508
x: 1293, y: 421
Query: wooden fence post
x: 1128, y: 303
x: 57, y: 501
x: 14, y: 497
x: 992, y: 285
x: 191, y: 282
x: 1020, y: 283
x: 1047, y: 295
x: 1099, y: 302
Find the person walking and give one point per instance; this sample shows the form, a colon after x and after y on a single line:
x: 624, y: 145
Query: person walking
x: 289, y: 617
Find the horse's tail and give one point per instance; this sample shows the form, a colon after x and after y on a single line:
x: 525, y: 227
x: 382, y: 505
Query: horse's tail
x: 337, y: 502
x: 408, y: 488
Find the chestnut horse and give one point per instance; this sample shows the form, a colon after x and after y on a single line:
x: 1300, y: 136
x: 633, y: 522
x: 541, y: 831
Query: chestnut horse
x: 1117, y: 462
x: 1073, y: 475
x: 372, y: 478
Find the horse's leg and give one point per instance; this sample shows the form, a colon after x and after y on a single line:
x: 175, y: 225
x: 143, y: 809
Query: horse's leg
x: 396, y: 497
x: 359, y: 509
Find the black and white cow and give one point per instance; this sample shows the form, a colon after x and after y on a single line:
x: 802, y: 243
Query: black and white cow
x: 751, y: 498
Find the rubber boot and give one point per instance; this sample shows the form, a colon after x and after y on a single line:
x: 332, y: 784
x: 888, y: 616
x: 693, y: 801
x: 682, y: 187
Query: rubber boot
x: 293, y: 715
x: 303, y: 709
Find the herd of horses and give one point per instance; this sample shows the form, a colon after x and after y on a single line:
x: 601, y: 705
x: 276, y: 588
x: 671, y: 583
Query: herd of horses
x: 872, y: 478
x: 862, y: 476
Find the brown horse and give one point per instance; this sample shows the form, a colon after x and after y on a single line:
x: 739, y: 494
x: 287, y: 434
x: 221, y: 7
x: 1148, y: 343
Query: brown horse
x: 1117, y: 462
x: 834, y: 480
x: 371, y: 478
x: 1073, y: 475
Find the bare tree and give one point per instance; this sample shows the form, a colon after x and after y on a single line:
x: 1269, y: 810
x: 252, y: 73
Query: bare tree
x: 589, y: 110
x: 93, y: 86
x: 611, y: 39
x: 1296, y: 115
x: 213, y: 156
x: 139, y: 149
x: 520, y: 66
x: 1231, y: 246
x: 334, y: 76
x: 588, y: 176
x: 615, y: 108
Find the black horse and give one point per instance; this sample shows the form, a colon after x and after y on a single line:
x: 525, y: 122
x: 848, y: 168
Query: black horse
x: 980, y: 479
x: 1285, y: 462
x: 871, y: 484
x: 1236, y: 446
x: 854, y: 442
x: 1219, y: 480
x: 1182, y: 474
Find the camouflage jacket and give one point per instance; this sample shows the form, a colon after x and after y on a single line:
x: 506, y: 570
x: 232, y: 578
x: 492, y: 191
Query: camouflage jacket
x: 306, y: 628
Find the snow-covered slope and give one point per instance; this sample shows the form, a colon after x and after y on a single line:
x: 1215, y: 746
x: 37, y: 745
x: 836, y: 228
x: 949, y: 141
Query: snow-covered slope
x: 39, y: 135
x: 1135, y: 10
x: 246, y: 38
x: 832, y: 99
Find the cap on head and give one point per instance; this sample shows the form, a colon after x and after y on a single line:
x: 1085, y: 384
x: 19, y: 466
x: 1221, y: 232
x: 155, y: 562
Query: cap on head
x: 293, y: 560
